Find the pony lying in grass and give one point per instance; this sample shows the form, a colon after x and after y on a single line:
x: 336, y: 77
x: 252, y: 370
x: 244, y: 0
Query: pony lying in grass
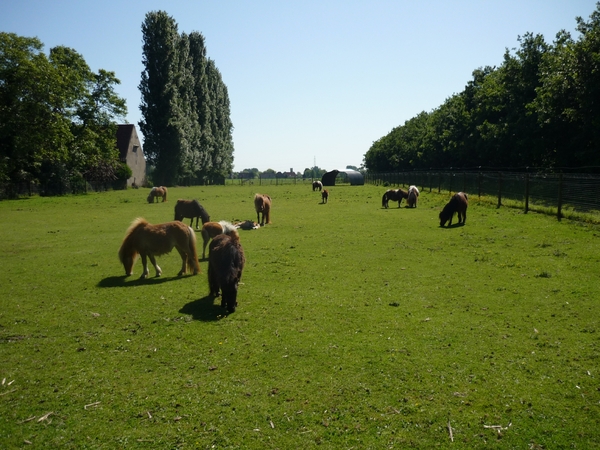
x: 325, y: 195
x: 212, y: 229
x: 395, y: 195
x: 262, y: 204
x: 413, y: 197
x: 149, y: 241
x: 225, y: 265
x: 317, y: 185
x: 156, y: 192
x: 191, y: 209
x: 457, y: 204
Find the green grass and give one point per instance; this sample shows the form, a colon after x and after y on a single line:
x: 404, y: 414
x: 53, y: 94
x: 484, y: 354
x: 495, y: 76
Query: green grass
x: 357, y: 327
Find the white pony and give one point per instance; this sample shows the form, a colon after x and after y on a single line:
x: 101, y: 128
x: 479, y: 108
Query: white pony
x: 413, y: 196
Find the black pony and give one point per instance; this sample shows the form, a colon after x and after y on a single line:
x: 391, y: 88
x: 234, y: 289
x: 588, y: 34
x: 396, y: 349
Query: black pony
x: 395, y: 195
x: 457, y: 204
x: 191, y: 209
x: 225, y: 265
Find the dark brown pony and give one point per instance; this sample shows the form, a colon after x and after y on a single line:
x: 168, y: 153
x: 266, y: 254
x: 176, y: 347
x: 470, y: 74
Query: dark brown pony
x: 262, y: 204
x: 325, y: 195
x: 191, y: 209
x: 457, y: 204
x: 156, y: 192
x: 212, y: 229
x: 395, y: 195
x: 225, y: 265
x: 413, y: 197
x: 317, y: 185
x: 148, y: 241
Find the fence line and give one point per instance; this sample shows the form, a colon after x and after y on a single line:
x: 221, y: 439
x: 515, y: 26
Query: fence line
x: 561, y: 194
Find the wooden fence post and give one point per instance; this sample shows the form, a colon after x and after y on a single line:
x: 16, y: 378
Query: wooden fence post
x: 499, y: 189
x: 560, y: 189
x: 526, y: 193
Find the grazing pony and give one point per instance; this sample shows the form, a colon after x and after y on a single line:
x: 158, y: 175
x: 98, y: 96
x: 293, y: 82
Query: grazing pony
x: 212, y: 229
x: 148, y: 241
x: 325, y: 195
x: 191, y: 209
x: 317, y: 185
x: 225, y: 265
x: 155, y: 192
x: 457, y: 204
x: 395, y: 195
x: 262, y: 204
x: 413, y: 197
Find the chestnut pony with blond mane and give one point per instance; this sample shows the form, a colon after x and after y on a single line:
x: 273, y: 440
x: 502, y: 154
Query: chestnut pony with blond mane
x: 156, y: 192
x: 212, y: 229
x: 148, y: 241
x: 262, y: 204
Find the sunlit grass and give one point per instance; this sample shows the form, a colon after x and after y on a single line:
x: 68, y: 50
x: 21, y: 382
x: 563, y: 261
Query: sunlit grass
x: 357, y: 327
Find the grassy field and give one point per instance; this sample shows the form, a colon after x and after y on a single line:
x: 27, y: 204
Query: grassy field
x: 357, y: 327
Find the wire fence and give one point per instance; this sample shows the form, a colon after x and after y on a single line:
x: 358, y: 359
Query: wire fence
x: 565, y: 195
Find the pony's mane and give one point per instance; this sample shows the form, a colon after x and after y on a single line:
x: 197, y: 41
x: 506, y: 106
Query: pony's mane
x: 228, y: 227
x: 126, y: 245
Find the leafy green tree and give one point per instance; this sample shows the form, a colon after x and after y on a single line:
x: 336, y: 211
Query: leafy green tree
x: 56, y: 115
x: 567, y: 104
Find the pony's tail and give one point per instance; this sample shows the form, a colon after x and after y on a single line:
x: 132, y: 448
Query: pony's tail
x: 383, y: 199
x: 193, y: 256
x: 165, y: 196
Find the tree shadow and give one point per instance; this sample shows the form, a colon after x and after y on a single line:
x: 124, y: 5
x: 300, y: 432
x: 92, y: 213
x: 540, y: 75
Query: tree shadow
x: 204, y: 309
x: 122, y: 281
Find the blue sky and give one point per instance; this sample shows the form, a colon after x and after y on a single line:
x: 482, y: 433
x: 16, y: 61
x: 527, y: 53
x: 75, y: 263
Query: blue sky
x: 308, y: 80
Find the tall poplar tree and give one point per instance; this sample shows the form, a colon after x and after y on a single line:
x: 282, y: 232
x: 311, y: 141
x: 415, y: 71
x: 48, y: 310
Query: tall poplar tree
x: 185, y: 106
x: 160, y: 96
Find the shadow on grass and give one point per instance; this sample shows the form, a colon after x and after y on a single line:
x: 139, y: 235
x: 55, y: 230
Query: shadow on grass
x: 454, y: 225
x: 122, y: 281
x: 204, y: 309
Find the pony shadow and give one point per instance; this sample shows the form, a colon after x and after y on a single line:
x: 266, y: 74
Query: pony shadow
x: 454, y: 225
x: 121, y: 281
x: 204, y: 309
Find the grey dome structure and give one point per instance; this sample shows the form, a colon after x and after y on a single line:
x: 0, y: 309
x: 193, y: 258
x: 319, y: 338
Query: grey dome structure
x: 352, y: 176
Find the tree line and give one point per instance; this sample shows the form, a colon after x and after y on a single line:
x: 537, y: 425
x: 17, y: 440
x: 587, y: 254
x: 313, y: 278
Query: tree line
x: 185, y: 107
x: 540, y: 108
x: 57, y: 118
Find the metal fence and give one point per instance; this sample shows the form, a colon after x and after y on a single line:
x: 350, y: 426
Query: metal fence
x: 566, y: 195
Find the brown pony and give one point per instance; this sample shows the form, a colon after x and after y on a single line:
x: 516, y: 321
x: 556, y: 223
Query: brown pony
x: 225, y: 265
x: 413, y: 197
x: 212, y: 229
x: 395, y: 195
x: 457, y: 204
x: 191, y: 209
x: 262, y: 204
x: 317, y: 185
x: 155, y: 192
x: 148, y: 241
x: 325, y: 195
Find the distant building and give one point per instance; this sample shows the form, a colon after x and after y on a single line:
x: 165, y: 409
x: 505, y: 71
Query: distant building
x: 130, y: 152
